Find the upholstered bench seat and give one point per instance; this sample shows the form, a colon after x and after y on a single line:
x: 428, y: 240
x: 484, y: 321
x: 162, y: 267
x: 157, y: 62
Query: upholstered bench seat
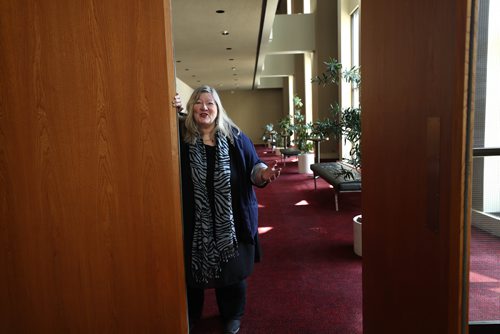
x: 330, y: 172
x: 288, y: 152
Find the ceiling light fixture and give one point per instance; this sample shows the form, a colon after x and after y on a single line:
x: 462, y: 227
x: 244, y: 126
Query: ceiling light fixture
x: 229, y: 49
x: 225, y: 32
x: 220, y: 11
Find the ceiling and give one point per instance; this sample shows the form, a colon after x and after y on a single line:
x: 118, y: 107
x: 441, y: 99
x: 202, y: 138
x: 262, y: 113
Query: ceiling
x: 204, y: 55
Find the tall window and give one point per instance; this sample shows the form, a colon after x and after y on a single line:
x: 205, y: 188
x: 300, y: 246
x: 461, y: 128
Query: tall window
x: 355, y: 53
x: 484, y: 271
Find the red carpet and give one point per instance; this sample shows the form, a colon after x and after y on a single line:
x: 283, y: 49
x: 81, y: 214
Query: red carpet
x: 484, y: 277
x: 309, y: 279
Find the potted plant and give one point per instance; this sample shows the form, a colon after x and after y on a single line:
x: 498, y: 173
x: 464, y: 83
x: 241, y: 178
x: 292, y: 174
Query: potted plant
x: 285, y: 127
x: 302, y: 137
x: 269, y: 136
x: 285, y: 131
x: 346, y: 123
x: 321, y: 129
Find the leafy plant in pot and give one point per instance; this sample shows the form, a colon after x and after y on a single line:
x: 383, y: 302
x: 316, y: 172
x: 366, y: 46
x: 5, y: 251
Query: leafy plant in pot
x: 284, y: 131
x: 269, y: 135
x: 285, y: 127
x: 301, y: 129
x: 302, y: 134
x: 346, y: 124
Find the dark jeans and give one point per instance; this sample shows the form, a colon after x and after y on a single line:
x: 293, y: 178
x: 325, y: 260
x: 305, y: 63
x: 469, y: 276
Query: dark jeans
x: 231, y: 301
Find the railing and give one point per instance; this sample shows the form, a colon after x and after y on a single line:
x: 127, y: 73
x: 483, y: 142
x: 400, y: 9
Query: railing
x: 486, y: 152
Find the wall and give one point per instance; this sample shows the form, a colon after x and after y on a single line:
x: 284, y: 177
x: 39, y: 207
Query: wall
x: 183, y: 90
x: 292, y: 34
x: 251, y: 110
x: 326, y: 48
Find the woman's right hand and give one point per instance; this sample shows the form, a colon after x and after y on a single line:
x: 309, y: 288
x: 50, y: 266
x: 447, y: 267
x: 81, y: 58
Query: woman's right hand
x: 177, y: 103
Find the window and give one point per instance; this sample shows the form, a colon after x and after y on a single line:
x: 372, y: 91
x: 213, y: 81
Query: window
x: 355, y: 54
x: 484, y: 272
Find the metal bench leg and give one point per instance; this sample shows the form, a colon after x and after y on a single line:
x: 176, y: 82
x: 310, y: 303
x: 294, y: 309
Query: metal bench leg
x: 315, y: 177
x: 336, y: 201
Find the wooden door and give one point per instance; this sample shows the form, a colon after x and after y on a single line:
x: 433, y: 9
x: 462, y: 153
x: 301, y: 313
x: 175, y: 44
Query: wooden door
x: 414, y: 61
x: 90, y: 230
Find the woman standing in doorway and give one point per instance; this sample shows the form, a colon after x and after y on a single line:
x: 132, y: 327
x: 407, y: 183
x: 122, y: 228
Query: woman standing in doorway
x: 219, y: 169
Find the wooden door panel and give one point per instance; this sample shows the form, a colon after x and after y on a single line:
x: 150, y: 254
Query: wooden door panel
x: 414, y: 60
x: 90, y: 208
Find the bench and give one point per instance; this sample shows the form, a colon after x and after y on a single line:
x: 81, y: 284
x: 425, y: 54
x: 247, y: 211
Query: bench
x: 329, y: 171
x: 288, y: 152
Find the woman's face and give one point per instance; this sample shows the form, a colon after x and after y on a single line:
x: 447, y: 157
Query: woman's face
x: 205, y: 110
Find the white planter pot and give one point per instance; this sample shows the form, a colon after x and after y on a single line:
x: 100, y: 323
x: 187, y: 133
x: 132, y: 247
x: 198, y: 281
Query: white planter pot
x: 305, y: 162
x: 357, y: 229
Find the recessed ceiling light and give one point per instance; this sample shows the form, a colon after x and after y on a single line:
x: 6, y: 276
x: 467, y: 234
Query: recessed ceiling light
x: 229, y: 49
x: 186, y: 69
x: 225, y: 32
x: 231, y: 59
x: 233, y: 68
x: 220, y: 11
x: 178, y: 61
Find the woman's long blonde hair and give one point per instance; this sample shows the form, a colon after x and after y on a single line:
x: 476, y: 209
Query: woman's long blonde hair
x: 222, y: 123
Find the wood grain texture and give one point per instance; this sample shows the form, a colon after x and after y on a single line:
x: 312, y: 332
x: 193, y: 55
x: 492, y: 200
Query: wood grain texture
x: 90, y: 228
x: 414, y: 59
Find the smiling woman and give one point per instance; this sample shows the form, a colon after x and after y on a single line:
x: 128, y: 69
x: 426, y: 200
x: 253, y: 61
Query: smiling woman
x: 205, y: 114
x: 219, y: 169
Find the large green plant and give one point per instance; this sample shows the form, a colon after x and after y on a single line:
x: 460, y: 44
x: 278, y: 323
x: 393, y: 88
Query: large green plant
x: 304, y: 131
x: 346, y: 122
x: 285, y: 127
x: 301, y: 128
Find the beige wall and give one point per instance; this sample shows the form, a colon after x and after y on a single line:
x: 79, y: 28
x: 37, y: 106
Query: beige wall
x: 326, y: 48
x: 253, y: 109
x: 183, y: 90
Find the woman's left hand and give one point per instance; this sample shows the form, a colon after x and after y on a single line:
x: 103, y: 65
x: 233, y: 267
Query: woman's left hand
x: 271, y: 173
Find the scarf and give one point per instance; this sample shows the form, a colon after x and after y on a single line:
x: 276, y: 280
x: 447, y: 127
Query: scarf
x: 214, y: 238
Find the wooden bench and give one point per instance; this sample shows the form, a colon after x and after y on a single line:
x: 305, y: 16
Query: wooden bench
x: 329, y: 171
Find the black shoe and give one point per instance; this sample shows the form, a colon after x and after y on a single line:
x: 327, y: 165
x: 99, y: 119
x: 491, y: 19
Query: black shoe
x: 192, y: 323
x: 232, y: 326
x: 191, y: 327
